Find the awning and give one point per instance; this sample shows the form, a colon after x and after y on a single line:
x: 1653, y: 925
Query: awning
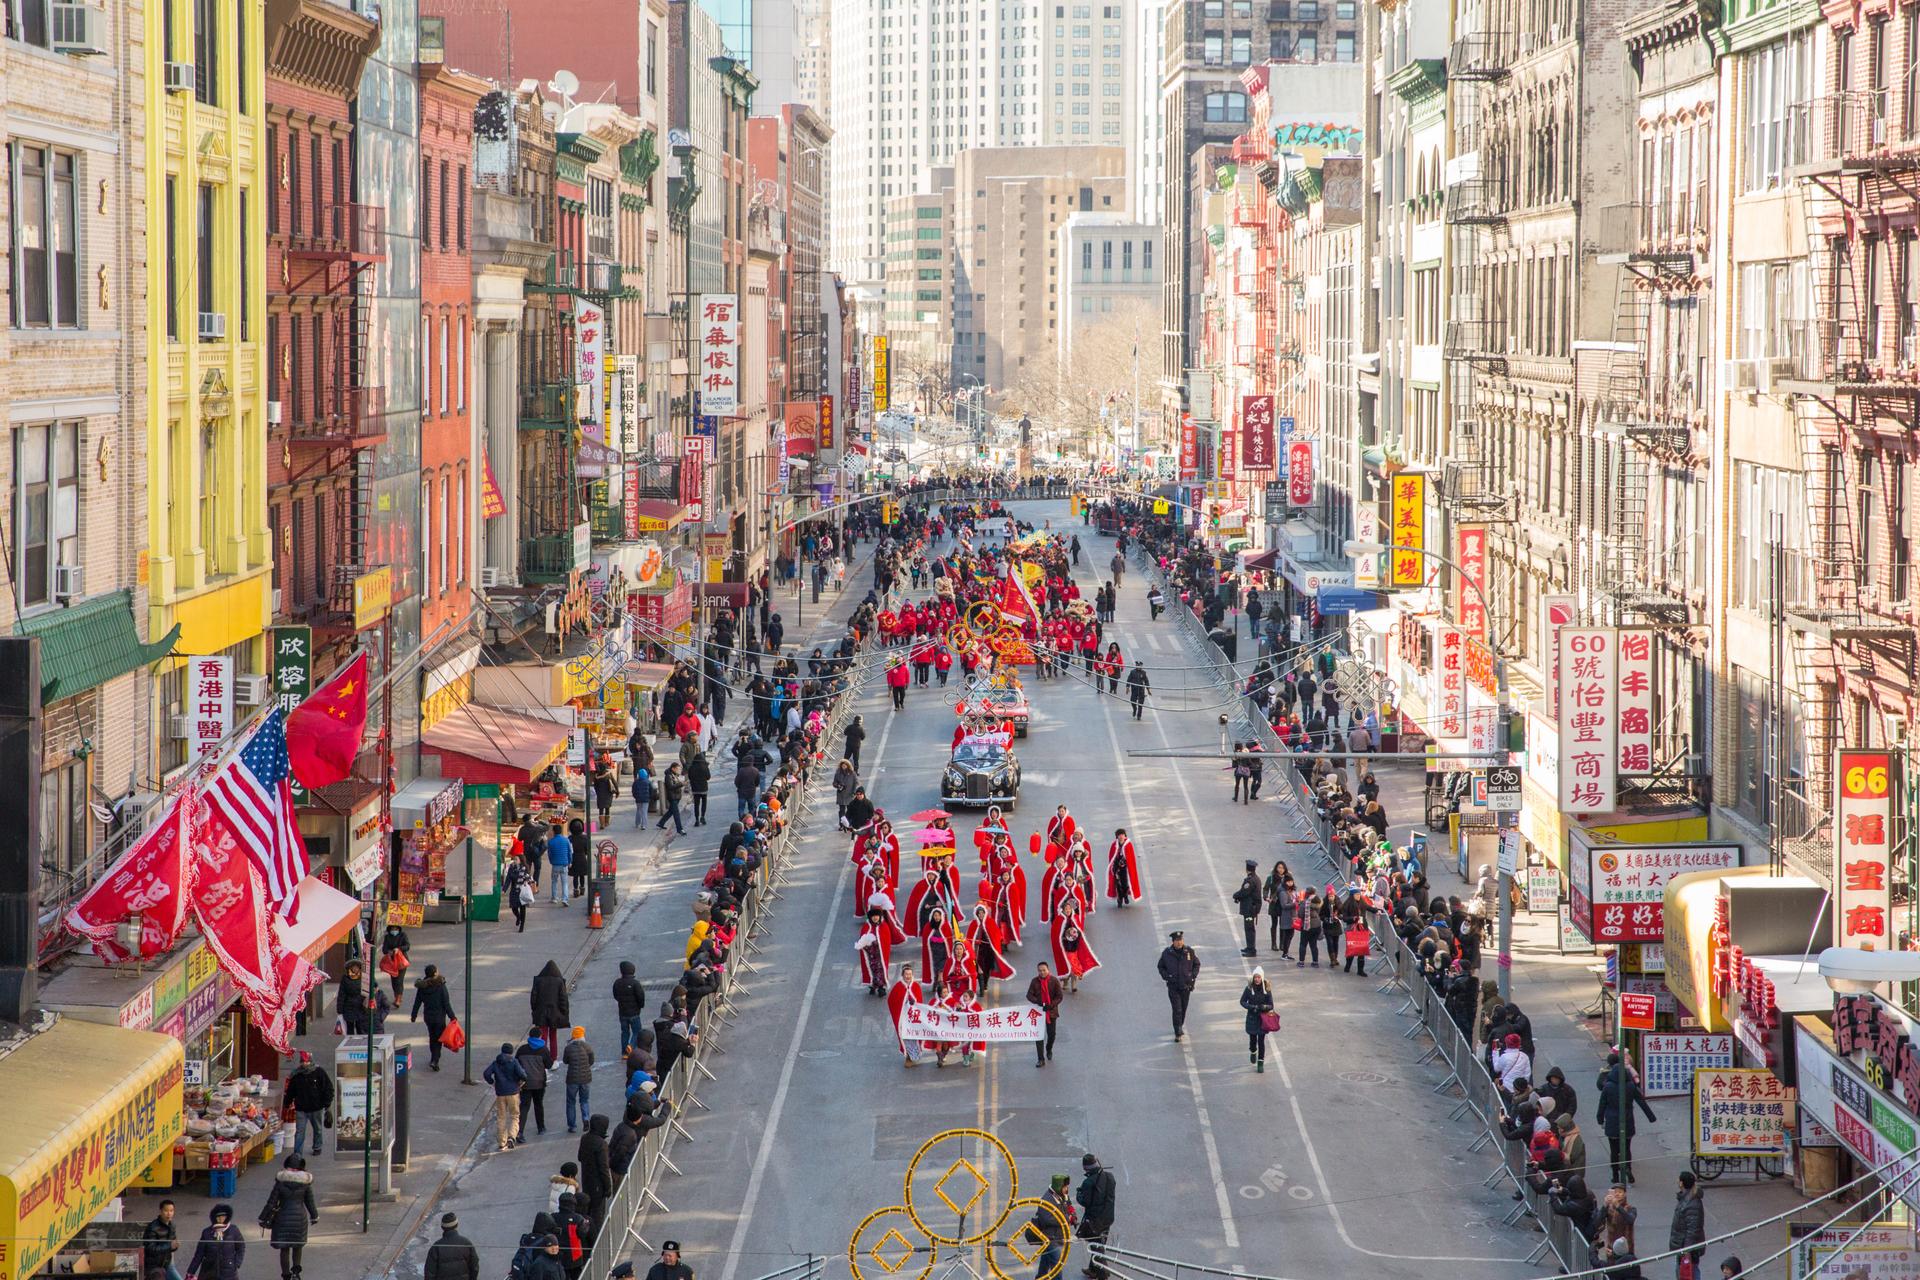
x: 90, y: 1107
x: 648, y: 675
x: 1262, y: 561
x: 733, y: 593
x: 657, y: 515
x: 90, y: 643
x: 429, y: 798
x: 486, y: 744
x: 326, y: 915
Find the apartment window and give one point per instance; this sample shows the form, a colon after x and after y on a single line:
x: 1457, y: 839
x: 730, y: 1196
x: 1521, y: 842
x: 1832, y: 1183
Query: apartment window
x: 1242, y: 50
x: 426, y: 538
x: 1877, y: 99
x: 1874, y: 273
x: 460, y: 369
x: 653, y: 57
x: 1779, y: 86
x: 445, y: 357
x: 316, y: 188
x: 1904, y: 313
x: 1126, y: 255
x: 460, y: 524
x: 46, y: 216
x: 206, y: 51
x: 1215, y: 51
x: 1772, y: 503
x: 325, y: 399
x: 1307, y: 47
x: 319, y: 536
x: 1226, y: 107
x: 460, y: 211
x: 241, y: 65
x: 1899, y: 577
x: 294, y: 209
x: 445, y: 239
x: 1911, y: 105
x: 1343, y: 47
x: 1216, y: 8
x: 1309, y: 11
x: 273, y: 178
x: 246, y: 309
x: 207, y: 532
x: 46, y: 507
x: 1279, y: 44
x: 1344, y: 9
x: 1146, y: 255
x: 294, y: 398
x: 204, y: 235
x: 446, y: 524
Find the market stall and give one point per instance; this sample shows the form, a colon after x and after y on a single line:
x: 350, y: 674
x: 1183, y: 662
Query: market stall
x: 426, y: 828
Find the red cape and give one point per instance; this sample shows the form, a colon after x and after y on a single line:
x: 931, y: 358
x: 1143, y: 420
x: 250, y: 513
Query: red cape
x: 876, y: 956
x: 1083, y: 961
x: 897, y: 996
x: 1120, y: 858
x: 988, y: 932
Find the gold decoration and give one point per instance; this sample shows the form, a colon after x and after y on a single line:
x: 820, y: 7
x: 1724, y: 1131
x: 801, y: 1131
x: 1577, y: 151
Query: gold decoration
x: 106, y: 297
x: 889, y: 1238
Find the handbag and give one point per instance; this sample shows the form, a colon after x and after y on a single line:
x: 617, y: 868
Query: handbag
x: 1269, y: 1022
x: 454, y: 1036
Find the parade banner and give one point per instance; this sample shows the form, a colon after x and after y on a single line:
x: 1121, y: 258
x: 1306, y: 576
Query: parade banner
x: 1256, y: 434
x: 1470, y: 553
x: 1590, y: 719
x: 150, y: 881
x: 994, y: 1026
x: 719, y: 374
x: 1862, y: 831
x: 492, y: 503
x: 1407, y: 568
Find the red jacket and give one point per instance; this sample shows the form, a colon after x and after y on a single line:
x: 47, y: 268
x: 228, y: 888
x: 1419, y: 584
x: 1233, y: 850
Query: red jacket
x: 897, y: 677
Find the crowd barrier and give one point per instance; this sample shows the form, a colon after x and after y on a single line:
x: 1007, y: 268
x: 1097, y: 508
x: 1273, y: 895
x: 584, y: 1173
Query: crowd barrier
x: 640, y: 1191
x: 1480, y: 1103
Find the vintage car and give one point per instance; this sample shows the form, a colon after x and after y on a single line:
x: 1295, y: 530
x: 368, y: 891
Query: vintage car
x: 1009, y: 703
x: 983, y: 771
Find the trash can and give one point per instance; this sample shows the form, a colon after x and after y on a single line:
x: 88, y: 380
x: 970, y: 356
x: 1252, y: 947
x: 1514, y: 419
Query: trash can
x: 604, y: 886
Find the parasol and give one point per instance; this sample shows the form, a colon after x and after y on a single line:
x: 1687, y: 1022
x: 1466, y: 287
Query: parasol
x: 931, y: 815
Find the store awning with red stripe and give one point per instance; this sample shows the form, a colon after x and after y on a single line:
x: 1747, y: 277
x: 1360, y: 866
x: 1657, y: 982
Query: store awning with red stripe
x: 489, y: 744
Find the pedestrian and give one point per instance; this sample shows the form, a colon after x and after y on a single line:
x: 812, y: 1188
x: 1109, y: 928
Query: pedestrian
x: 545, y: 1263
x: 1180, y: 970
x: 1052, y: 1221
x: 1564, y: 1101
x: 845, y: 783
x: 350, y: 1002
x: 596, y: 1169
x: 1277, y: 891
x: 1257, y: 1000
x: 507, y: 1076
x: 452, y: 1256
x: 520, y: 892
x: 1138, y: 687
x: 672, y: 787
x: 1047, y: 994
x: 431, y: 997
x: 288, y: 1212
x: 551, y: 1006
x: 642, y: 795
x: 221, y: 1250
x: 578, y: 1060
x: 532, y: 1057
x: 1096, y: 1200
x: 564, y: 1183
x: 630, y: 1004
x: 603, y: 788
x: 1573, y: 1144
x: 310, y: 1094
x: 1731, y: 1268
x: 1687, y: 1236
x: 395, y: 955
x: 860, y: 810
x: 670, y: 1267
x: 699, y: 776
x: 1248, y: 897
x: 560, y: 859
x: 853, y: 737
x: 1619, y: 1095
x: 160, y: 1241
x: 1359, y: 941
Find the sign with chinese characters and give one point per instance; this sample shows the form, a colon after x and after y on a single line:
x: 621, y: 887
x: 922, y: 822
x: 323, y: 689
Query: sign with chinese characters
x: 292, y: 676
x: 825, y: 412
x: 1450, y: 684
x: 882, y: 374
x: 1618, y: 889
x: 1741, y: 1111
x: 629, y: 374
x: 1470, y: 553
x: 1408, y: 568
x: 1857, y: 1262
x: 1366, y: 528
x: 994, y: 1026
x: 1543, y: 883
x: 1589, y: 720
x: 1299, y: 473
x: 693, y: 477
x: 1572, y: 941
x: 630, y: 506
x: 209, y: 704
x: 1189, y: 447
x: 1862, y: 835
x: 372, y: 597
x: 1555, y: 612
x: 589, y: 355
x: 1851, y: 1094
x: 718, y: 377
x: 1256, y: 433
x: 1667, y: 1062
x: 1635, y: 737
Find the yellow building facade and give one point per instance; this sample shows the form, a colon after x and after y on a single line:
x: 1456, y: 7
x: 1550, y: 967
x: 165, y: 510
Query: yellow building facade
x: 210, y: 559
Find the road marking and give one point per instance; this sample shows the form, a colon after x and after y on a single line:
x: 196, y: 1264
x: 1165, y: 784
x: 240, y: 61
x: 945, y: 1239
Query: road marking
x: 765, y: 1153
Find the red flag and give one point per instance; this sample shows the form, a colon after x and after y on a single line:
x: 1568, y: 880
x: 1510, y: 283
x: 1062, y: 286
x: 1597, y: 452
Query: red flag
x: 150, y: 880
x: 323, y: 733
x: 229, y: 901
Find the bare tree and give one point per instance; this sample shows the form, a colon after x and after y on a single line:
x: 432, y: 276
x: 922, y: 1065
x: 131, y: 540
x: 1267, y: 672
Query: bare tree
x: 1109, y: 360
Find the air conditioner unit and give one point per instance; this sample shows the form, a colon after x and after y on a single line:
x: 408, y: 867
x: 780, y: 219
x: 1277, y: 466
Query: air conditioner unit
x: 273, y: 413
x: 213, y: 326
x: 279, y: 598
x: 179, y: 727
x: 1896, y: 730
x: 181, y: 77
x: 489, y: 575
x: 78, y: 29
x: 250, y: 691
x: 69, y: 582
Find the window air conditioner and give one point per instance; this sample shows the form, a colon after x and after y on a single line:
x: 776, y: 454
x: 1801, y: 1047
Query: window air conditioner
x: 78, y: 29
x: 250, y: 691
x: 213, y: 326
x: 181, y: 77
x: 69, y: 582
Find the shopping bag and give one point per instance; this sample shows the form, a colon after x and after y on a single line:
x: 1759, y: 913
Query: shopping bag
x: 454, y: 1037
x: 393, y: 963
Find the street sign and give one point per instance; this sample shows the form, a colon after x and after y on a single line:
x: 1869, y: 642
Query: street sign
x: 1503, y: 789
x: 1637, y: 1010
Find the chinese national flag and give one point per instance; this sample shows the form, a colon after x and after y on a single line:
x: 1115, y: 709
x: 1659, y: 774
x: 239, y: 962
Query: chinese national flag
x: 323, y: 733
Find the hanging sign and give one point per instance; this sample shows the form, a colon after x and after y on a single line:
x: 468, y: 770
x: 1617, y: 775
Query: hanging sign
x: 1299, y: 473
x: 1409, y: 531
x: 1741, y: 1111
x: 1366, y: 528
x: 882, y: 375
x: 693, y: 477
x: 1862, y: 830
x: 292, y: 676
x: 1470, y: 553
x: 1189, y: 447
x: 1256, y: 433
x: 826, y: 423
x: 1589, y: 720
x: 1667, y: 1062
x: 718, y: 378
x: 209, y: 704
x: 1636, y: 702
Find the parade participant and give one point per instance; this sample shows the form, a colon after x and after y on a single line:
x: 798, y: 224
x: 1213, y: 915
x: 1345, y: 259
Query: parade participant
x: 1180, y: 970
x: 897, y: 682
x: 1047, y: 994
x: 1138, y: 687
x: 875, y: 947
x: 922, y: 656
x: 1005, y: 899
x: 905, y: 990
x: 1257, y: 1000
x: 986, y: 948
x: 870, y: 878
x: 1123, y: 870
x: 1112, y: 667
x: 1072, y: 952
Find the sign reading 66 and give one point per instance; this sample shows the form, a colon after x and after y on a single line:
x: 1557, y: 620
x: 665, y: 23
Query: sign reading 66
x: 1864, y: 774
x: 1863, y: 839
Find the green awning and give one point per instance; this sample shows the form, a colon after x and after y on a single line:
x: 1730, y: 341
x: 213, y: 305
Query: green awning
x: 90, y: 643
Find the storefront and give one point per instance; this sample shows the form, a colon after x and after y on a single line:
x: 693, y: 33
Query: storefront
x: 486, y: 743
x: 342, y: 828
x: 92, y: 1109
x: 426, y: 828
x: 1859, y: 1089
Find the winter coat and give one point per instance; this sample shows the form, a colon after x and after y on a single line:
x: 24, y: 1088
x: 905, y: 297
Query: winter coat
x: 430, y: 997
x: 1179, y: 967
x: 596, y: 1171
x: 578, y: 1058
x: 289, y: 1208
x: 1248, y: 897
x: 220, y: 1252
x: 160, y: 1241
x: 310, y: 1089
x: 545, y: 1266
x: 699, y: 774
x: 1611, y: 1114
x: 1689, y: 1220
x: 551, y: 1007
x: 845, y: 783
x: 629, y: 997
x: 452, y: 1257
x: 1095, y: 1197
x: 1256, y: 1001
x: 533, y: 1061
x: 505, y: 1075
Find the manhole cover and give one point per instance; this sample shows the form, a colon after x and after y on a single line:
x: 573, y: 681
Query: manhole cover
x: 819, y: 1053
x: 1352, y: 1077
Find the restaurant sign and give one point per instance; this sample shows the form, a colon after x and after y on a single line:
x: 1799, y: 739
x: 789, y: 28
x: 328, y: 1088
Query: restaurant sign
x: 1618, y: 889
x: 1741, y: 1111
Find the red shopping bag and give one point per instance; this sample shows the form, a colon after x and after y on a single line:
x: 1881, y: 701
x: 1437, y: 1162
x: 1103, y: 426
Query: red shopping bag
x: 454, y: 1038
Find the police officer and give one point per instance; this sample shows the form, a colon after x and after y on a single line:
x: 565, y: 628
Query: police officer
x: 1180, y: 970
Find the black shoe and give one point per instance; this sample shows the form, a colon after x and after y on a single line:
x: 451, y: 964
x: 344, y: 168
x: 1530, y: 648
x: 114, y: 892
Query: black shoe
x: 1249, y: 952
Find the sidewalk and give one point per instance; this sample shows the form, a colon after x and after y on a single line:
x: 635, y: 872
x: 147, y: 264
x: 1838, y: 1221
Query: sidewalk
x: 447, y: 1119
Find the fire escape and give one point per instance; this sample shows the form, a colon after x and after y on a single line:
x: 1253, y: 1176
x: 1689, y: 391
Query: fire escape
x: 341, y: 424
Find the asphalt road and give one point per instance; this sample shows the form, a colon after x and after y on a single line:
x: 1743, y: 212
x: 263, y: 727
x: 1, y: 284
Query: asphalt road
x: 1336, y: 1156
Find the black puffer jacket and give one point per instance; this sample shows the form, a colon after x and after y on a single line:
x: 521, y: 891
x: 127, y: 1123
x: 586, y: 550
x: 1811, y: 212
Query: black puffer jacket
x: 289, y: 1208
x: 551, y: 1007
x: 596, y: 1173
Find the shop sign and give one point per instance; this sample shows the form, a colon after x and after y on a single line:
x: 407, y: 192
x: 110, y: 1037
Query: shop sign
x: 1572, y: 941
x: 195, y: 1074
x: 1299, y: 473
x: 1639, y: 1010
x: 372, y: 597
x: 1855, y: 1262
x: 1470, y: 553
x: 1409, y: 530
x: 1882, y: 1040
x: 1635, y: 739
x: 365, y: 865
x: 827, y: 422
x: 718, y: 377
x: 1864, y: 1116
x: 1450, y: 683
x: 1555, y: 612
x: 629, y: 368
x: 1667, y: 1062
x: 882, y: 375
x: 1853, y: 1235
x: 630, y: 501
x: 1741, y: 1111
x: 210, y: 697
x: 1618, y: 890
x: 1366, y: 528
x: 137, y: 1013
x: 1256, y: 433
x: 693, y: 477
x: 1543, y: 888
x: 1862, y: 832
x: 1590, y: 719
x: 206, y: 1003
x: 1189, y: 448
x: 292, y: 677
x: 408, y: 915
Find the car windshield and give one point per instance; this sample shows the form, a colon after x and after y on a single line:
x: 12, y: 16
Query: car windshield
x: 977, y: 753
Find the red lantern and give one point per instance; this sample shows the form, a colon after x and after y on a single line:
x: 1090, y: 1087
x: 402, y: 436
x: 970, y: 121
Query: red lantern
x: 1033, y: 843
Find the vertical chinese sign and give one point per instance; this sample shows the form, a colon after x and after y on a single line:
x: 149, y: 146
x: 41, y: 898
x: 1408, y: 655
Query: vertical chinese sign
x: 1189, y: 447
x: 1862, y: 833
x: 590, y: 401
x: 693, y: 476
x: 1589, y: 721
x: 1366, y: 528
x: 292, y: 676
x: 718, y: 378
x: 1470, y: 553
x: 1450, y: 681
x: 210, y: 697
x: 1299, y: 473
x: 826, y: 423
x: 882, y: 375
x: 1636, y: 702
x: 1256, y: 434
x: 629, y: 372
x: 1409, y: 514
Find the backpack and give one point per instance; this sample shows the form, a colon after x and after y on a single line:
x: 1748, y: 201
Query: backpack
x: 522, y: 1258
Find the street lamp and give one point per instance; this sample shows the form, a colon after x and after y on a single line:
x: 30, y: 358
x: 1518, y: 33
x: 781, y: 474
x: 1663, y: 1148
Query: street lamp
x: 1354, y: 549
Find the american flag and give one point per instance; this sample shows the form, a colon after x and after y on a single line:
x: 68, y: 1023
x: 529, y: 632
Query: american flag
x: 254, y: 792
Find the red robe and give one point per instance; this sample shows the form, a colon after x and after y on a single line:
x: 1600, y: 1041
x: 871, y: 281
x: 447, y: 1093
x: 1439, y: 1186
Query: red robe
x: 1007, y: 903
x: 1079, y: 962
x: 984, y: 940
x: 1121, y: 861
x: 876, y: 946
x: 940, y: 952
x: 928, y: 893
x: 1060, y: 830
x: 869, y: 878
x: 897, y: 996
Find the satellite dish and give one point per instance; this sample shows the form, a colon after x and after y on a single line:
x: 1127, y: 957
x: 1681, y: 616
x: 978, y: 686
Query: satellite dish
x: 565, y: 84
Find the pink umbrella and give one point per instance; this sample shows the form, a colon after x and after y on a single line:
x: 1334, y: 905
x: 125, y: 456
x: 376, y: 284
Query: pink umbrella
x: 931, y: 815
x: 933, y: 835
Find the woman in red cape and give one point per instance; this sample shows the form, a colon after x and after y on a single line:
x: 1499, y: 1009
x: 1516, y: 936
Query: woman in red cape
x: 1073, y: 956
x: 875, y: 946
x: 905, y: 989
x: 985, y: 945
x: 1123, y: 870
x: 1060, y: 828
